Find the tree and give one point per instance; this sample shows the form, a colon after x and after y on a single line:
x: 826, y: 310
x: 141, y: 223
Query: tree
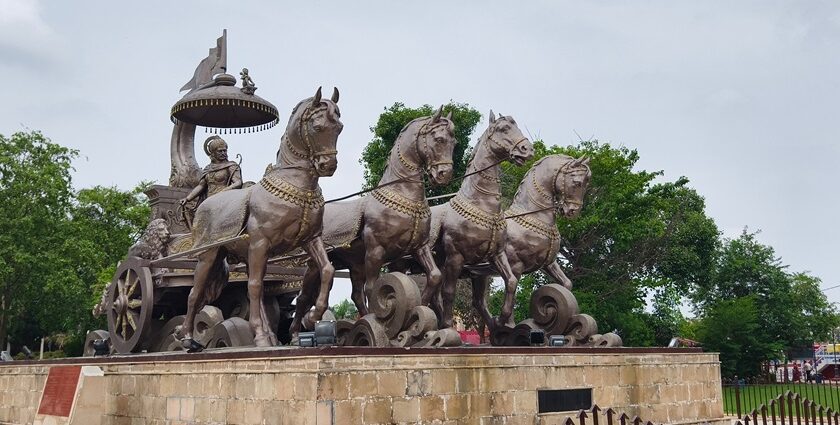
x: 58, y: 249
x: 816, y: 317
x: 791, y: 312
x: 345, y: 310
x: 733, y: 329
x: 36, y: 197
x: 391, y: 122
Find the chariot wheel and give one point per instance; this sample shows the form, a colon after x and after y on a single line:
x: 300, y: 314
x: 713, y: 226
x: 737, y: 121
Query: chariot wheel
x: 130, y: 303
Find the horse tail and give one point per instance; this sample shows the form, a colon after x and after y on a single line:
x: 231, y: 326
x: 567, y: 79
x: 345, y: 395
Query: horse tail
x: 217, y: 278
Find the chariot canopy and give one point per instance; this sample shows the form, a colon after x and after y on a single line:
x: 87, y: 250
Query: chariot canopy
x: 214, y: 101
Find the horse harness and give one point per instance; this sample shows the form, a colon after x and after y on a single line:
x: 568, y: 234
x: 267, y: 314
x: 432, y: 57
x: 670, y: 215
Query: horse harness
x: 529, y: 222
x: 417, y: 210
x: 424, y: 130
x: 307, y: 200
x: 551, y: 198
x: 483, y: 173
x: 474, y: 214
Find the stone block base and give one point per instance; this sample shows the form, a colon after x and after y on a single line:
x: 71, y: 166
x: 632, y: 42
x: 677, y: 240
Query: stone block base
x: 347, y: 385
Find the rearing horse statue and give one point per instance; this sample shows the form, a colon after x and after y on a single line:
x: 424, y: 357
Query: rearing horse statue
x: 394, y: 220
x: 470, y: 228
x: 554, y: 183
x: 284, y: 211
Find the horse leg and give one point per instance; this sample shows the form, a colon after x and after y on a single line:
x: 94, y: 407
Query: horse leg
x: 556, y: 272
x: 196, y: 300
x: 357, y: 278
x: 374, y: 259
x: 267, y: 326
x: 257, y: 258
x: 479, y: 301
x: 451, y: 270
x: 315, y: 249
x: 433, y: 274
x: 500, y: 261
x: 305, y: 299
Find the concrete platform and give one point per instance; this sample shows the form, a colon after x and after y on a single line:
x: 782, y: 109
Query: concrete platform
x: 354, y: 385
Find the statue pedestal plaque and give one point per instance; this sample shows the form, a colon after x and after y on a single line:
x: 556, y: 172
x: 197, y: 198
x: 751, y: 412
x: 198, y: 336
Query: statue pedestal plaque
x: 71, y: 395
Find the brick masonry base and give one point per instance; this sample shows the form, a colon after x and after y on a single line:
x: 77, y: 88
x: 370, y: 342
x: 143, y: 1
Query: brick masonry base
x: 377, y: 386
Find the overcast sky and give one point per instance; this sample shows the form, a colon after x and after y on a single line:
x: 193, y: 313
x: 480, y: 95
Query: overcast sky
x: 740, y: 97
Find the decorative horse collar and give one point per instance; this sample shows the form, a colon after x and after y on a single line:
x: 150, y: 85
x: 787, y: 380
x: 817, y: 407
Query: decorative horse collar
x: 310, y: 199
x: 476, y: 215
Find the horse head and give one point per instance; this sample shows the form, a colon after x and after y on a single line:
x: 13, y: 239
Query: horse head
x: 506, y: 141
x: 435, y: 142
x: 313, y: 132
x: 570, y: 184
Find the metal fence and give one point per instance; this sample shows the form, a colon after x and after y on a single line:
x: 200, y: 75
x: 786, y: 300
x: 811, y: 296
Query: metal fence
x: 597, y: 416
x: 743, y: 398
x: 787, y: 408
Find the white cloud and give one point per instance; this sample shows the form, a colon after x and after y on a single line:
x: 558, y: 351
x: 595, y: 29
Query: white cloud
x: 25, y: 36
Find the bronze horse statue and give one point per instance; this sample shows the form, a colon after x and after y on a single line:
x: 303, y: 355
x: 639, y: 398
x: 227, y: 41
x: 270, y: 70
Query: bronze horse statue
x: 554, y: 183
x: 470, y: 228
x: 394, y: 220
x: 282, y: 212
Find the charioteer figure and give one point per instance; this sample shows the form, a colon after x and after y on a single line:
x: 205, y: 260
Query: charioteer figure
x: 218, y: 176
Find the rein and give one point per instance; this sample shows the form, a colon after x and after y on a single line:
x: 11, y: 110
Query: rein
x: 361, y: 192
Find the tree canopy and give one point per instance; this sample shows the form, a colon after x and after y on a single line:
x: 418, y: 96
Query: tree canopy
x: 58, y: 247
x: 749, y: 283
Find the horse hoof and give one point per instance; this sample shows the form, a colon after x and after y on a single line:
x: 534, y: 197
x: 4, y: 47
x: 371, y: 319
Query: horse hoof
x: 262, y: 341
x: 191, y: 345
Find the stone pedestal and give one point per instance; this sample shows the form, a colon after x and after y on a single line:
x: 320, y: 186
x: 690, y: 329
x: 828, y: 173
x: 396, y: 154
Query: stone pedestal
x: 347, y: 385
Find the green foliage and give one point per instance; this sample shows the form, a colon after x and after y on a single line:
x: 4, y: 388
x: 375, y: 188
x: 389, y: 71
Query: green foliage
x: 666, y: 320
x: 521, y: 309
x: 36, y: 199
x: 345, y: 310
x: 391, y: 122
x: 789, y: 310
x: 56, y: 246
x: 732, y: 328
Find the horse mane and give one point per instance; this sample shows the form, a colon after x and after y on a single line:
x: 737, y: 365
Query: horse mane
x: 480, y: 139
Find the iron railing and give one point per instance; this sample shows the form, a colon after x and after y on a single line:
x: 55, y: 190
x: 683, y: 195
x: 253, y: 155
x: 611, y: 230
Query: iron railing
x: 787, y: 408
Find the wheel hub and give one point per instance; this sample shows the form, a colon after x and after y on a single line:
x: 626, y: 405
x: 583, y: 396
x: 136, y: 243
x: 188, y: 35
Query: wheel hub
x: 121, y: 304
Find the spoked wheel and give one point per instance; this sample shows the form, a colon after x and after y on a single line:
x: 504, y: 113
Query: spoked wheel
x: 130, y: 304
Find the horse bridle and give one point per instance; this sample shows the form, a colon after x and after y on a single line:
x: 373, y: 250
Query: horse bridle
x: 553, y: 199
x: 565, y: 201
x: 307, y: 114
x: 425, y: 155
x: 497, y: 144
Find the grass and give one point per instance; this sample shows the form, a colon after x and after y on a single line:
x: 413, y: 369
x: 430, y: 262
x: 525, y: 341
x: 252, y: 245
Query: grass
x: 753, y: 396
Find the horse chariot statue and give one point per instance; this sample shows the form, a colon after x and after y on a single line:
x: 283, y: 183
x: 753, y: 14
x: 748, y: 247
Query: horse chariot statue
x: 224, y: 262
